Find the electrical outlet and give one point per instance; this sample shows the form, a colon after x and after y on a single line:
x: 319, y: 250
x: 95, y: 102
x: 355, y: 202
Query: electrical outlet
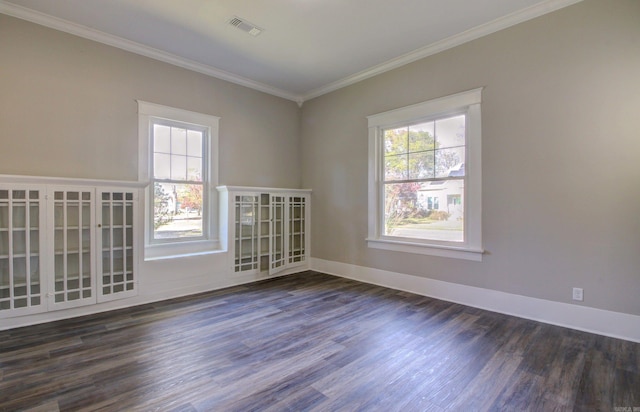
x: 577, y: 294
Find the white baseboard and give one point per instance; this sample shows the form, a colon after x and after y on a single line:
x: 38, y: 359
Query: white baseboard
x: 602, y: 322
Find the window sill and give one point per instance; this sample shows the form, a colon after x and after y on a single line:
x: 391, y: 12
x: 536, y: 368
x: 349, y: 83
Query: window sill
x: 180, y: 250
x: 425, y: 249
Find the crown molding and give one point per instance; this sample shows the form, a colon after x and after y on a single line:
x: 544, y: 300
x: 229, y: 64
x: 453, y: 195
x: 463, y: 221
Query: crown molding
x: 445, y: 44
x: 138, y: 48
x: 442, y: 45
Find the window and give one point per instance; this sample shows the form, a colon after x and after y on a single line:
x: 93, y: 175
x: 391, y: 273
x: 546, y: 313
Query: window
x: 177, y: 180
x: 178, y: 157
x: 425, y: 177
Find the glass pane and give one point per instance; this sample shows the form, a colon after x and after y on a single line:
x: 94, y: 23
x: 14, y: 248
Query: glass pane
x: 450, y: 162
x: 34, y: 216
x: 106, y: 265
x: 73, y: 218
x: 20, y: 269
x: 19, y: 194
x: 194, y: 143
x: 73, y: 195
x: 4, y: 216
x: 194, y: 169
x: 395, y: 141
x: 178, y: 141
x: 35, y: 272
x: 431, y: 210
x: 4, y: 244
x: 73, y: 266
x: 4, y: 274
x: 421, y: 137
x: 106, y: 215
x: 421, y: 165
x: 178, y: 210
x: 19, y: 242
x: 86, y: 215
x: 33, y: 194
x: 34, y: 243
x: 117, y: 238
x: 162, y: 166
x: 106, y: 195
x: 129, y: 214
x: 395, y: 167
x: 4, y: 194
x: 19, y: 216
x: 450, y: 132
x: 161, y: 139
x: 129, y: 237
x: 58, y: 214
x: 178, y: 167
x: 106, y: 240
x: 118, y: 214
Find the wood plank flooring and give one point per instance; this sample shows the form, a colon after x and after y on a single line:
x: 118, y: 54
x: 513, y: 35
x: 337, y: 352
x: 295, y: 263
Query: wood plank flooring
x: 313, y: 342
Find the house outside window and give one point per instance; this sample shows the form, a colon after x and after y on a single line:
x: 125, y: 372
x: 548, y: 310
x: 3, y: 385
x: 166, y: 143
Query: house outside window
x: 425, y: 177
x: 178, y: 157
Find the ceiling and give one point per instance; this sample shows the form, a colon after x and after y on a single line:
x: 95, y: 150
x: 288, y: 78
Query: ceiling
x: 307, y: 48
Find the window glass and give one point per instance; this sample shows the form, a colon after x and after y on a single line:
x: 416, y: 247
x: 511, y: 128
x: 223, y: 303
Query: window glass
x: 415, y: 203
x: 425, y: 177
x: 178, y: 187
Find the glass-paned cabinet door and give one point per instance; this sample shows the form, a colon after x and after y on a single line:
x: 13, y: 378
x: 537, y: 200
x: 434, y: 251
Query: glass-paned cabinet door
x: 246, y: 232
x: 72, y: 280
x: 21, y: 242
x: 297, y: 228
x: 117, y: 268
x: 278, y: 239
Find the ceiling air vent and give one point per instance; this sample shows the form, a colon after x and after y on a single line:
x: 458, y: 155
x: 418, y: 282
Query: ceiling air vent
x: 245, y: 26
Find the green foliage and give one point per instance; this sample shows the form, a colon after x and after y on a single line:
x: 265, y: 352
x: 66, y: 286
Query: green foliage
x: 409, y: 154
x: 161, y: 213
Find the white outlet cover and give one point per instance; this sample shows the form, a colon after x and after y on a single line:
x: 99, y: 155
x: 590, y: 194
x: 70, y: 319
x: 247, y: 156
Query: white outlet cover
x: 578, y: 294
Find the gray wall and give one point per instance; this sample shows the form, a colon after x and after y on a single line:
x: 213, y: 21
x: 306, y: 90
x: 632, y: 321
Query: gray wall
x: 67, y: 109
x: 561, y: 147
x: 561, y: 157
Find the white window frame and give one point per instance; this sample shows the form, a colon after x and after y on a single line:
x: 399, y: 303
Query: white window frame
x: 209, y: 243
x: 465, y: 102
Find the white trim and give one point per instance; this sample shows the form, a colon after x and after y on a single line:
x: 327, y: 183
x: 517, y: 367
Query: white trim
x: 467, y: 102
x: 584, y: 318
x: 434, y: 107
x: 138, y: 48
x: 69, y: 181
x: 474, y: 33
x: 422, y: 249
x: 261, y: 189
x: 181, y: 248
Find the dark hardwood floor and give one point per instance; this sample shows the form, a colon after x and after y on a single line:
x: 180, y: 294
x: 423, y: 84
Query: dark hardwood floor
x: 313, y: 342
